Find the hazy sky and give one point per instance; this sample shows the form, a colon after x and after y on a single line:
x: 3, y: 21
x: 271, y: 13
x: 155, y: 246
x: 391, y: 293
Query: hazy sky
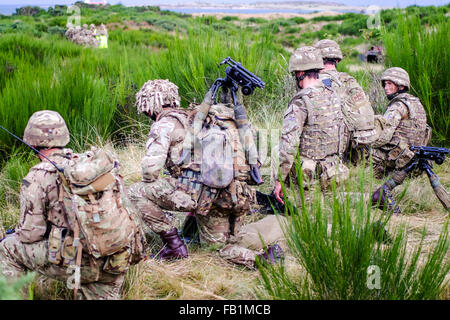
x: 396, y: 3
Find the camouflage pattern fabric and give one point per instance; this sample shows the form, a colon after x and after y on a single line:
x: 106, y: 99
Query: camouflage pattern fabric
x: 17, y: 257
x: 46, y: 128
x: 225, y: 218
x: 155, y: 94
x: 85, y: 37
x: 29, y: 249
x: 356, y: 108
x: 313, y: 126
x: 244, y: 246
x: 403, y: 124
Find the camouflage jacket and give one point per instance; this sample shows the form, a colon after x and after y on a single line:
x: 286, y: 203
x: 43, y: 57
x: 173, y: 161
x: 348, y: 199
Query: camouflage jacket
x: 312, y: 125
x: 39, y: 205
x: 405, y: 121
x: 357, y: 110
x: 165, y: 143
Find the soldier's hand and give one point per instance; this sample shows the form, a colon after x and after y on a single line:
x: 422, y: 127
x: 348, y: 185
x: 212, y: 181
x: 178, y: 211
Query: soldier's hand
x: 278, y: 192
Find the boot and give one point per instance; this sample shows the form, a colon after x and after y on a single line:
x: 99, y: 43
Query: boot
x: 384, y: 195
x: 174, y: 246
x: 274, y: 254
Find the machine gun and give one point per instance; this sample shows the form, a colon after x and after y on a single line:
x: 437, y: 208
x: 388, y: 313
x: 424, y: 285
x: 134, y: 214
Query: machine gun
x: 421, y: 161
x: 236, y: 75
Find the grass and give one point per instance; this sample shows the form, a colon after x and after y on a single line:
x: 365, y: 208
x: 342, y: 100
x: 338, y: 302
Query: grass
x: 94, y: 90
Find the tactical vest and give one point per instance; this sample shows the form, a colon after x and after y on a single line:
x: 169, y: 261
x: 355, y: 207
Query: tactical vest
x: 323, y: 132
x: 412, y: 131
x: 356, y: 108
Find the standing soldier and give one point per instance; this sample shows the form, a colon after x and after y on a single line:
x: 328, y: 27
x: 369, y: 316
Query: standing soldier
x: 313, y: 126
x: 44, y: 239
x: 358, y: 113
x: 404, y: 124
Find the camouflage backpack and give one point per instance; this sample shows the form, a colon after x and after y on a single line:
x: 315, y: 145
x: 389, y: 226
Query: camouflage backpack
x: 217, y: 166
x: 92, y: 193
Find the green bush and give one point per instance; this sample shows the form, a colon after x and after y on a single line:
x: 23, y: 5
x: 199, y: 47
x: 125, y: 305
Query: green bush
x: 353, y: 26
x: 339, y: 242
x: 422, y: 53
x: 12, y: 290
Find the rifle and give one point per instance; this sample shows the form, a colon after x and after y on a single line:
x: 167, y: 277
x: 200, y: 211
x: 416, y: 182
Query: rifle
x: 421, y: 160
x: 270, y: 202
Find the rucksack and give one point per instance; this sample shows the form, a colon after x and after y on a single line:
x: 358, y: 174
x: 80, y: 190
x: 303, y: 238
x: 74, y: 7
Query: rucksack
x: 93, y: 194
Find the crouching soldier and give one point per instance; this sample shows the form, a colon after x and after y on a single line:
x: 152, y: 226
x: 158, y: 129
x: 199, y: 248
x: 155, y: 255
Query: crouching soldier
x: 404, y: 124
x: 48, y: 239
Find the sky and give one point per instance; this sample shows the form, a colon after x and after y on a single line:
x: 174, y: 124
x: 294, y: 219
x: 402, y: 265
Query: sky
x: 382, y: 3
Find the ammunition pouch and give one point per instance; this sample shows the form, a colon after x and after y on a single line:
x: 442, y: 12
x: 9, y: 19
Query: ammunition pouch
x: 401, y: 155
x: 119, y: 262
x: 203, y: 194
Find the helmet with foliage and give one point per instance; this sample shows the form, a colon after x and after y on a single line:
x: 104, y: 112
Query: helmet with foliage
x: 329, y: 49
x: 397, y: 75
x: 305, y: 58
x: 156, y: 94
x: 46, y: 129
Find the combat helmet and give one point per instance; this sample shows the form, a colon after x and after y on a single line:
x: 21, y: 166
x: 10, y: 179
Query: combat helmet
x: 156, y: 94
x: 47, y: 129
x: 397, y: 75
x: 329, y: 49
x: 305, y: 58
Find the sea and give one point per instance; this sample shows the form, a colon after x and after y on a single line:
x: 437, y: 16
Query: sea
x: 11, y: 8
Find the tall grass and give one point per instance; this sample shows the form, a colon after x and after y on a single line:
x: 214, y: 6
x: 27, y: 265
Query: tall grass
x: 423, y: 52
x: 337, y: 262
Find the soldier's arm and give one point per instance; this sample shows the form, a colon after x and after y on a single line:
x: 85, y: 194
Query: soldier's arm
x: 392, y: 118
x: 158, y: 146
x: 293, y: 122
x: 33, y: 198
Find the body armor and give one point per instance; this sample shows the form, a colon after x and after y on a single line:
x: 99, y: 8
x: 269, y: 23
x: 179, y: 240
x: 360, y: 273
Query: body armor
x: 324, y: 126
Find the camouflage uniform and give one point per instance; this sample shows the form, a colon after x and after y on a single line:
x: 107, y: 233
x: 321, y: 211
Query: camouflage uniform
x: 244, y: 247
x: 358, y: 113
x: 404, y: 124
x: 43, y: 221
x: 179, y: 191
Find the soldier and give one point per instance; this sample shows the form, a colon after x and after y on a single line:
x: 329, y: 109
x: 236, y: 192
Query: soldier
x: 219, y: 213
x: 43, y: 218
x: 358, y: 113
x: 404, y: 124
x: 312, y: 125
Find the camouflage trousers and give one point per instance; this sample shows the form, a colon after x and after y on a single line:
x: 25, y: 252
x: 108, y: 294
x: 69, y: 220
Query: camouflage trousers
x: 243, y: 247
x: 152, y: 198
x: 17, y: 257
x: 386, y: 163
x: 222, y: 219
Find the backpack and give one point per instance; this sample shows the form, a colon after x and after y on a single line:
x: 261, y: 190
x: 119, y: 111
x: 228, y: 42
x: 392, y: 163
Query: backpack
x: 93, y: 196
x: 217, y: 164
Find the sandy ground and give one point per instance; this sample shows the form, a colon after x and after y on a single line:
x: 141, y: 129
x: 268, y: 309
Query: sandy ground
x: 268, y: 16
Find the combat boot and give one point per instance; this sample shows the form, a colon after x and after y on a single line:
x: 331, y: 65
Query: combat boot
x: 174, y: 246
x: 384, y: 196
x: 273, y: 255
